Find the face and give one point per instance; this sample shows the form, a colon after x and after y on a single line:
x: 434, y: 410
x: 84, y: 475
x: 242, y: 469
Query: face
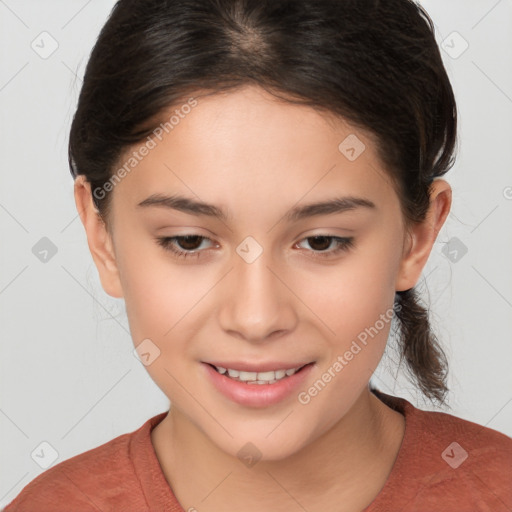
x: 258, y: 286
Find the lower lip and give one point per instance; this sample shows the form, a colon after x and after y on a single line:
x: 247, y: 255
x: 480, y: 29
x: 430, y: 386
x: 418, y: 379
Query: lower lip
x: 257, y: 395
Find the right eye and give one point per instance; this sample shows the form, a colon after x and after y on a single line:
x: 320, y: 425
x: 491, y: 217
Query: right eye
x: 183, y: 246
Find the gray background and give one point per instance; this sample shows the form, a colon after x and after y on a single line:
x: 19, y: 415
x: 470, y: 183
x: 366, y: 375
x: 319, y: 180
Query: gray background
x: 69, y: 377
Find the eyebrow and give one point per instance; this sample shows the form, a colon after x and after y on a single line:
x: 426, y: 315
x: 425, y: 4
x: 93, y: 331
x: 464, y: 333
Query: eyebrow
x: 193, y: 207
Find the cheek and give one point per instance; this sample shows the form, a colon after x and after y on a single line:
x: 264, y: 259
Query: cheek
x: 159, y: 295
x: 351, y: 295
x: 163, y: 304
x: 354, y: 300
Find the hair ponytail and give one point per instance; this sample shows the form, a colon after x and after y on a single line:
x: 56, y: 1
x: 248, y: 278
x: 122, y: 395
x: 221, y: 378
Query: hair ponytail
x: 426, y: 361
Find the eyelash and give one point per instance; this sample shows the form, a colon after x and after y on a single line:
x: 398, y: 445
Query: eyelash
x: 343, y: 244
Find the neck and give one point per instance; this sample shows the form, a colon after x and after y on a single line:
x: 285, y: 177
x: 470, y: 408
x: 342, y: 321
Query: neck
x: 348, y: 464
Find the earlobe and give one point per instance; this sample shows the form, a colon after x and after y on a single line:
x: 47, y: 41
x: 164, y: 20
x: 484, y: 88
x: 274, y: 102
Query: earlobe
x: 422, y: 236
x: 99, y: 239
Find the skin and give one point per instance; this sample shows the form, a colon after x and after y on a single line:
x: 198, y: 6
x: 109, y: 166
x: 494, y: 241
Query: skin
x: 257, y: 157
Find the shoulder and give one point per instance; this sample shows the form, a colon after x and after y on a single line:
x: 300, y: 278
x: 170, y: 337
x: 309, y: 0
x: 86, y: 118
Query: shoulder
x: 464, y: 441
x: 436, y: 429
x: 448, y: 460
x: 468, y: 463
x: 97, y: 479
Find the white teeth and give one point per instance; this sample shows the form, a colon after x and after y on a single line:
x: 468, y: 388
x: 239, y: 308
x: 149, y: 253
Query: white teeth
x: 280, y: 374
x: 266, y: 376
x: 257, y: 377
x: 245, y: 376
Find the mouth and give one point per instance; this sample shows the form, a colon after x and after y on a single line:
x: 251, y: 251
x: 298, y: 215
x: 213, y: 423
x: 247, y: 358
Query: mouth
x: 260, y: 377
x: 258, y: 389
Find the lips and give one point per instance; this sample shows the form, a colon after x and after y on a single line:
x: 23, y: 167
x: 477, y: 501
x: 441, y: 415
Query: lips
x: 258, y: 367
x: 256, y: 377
x: 258, y: 394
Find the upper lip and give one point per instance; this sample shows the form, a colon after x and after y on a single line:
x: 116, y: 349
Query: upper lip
x: 259, y: 367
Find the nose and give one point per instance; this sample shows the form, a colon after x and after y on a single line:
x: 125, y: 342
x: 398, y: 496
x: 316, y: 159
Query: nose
x: 257, y: 304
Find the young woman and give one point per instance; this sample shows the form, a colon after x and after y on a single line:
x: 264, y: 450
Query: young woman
x: 261, y: 182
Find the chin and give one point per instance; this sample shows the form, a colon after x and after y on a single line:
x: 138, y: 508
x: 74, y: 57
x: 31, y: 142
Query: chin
x: 257, y: 445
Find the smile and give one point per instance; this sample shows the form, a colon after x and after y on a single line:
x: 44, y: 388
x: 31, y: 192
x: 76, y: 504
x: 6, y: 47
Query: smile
x: 269, y: 377
x: 257, y: 389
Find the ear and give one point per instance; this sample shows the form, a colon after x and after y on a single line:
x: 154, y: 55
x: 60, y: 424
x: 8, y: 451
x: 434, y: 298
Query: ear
x: 98, y: 238
x: 421, y: 236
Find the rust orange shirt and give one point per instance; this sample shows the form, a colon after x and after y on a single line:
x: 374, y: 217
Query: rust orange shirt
x: 444, y: 464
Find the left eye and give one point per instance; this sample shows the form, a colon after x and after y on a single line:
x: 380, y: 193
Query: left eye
x: 323, y: 242
x: 190, y: 245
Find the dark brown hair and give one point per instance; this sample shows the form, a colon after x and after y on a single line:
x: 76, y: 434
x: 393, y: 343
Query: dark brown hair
x: 373, y: 62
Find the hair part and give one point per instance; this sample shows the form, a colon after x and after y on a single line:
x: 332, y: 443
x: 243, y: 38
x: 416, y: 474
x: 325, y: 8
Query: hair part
x: 373, y: 63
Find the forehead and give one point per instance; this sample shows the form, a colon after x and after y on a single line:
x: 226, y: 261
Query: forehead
x: 249, y: 143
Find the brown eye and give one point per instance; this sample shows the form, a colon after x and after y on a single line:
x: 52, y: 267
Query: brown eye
x: 189, y: 242
x: 320, y: 245
x: 183, y: 246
